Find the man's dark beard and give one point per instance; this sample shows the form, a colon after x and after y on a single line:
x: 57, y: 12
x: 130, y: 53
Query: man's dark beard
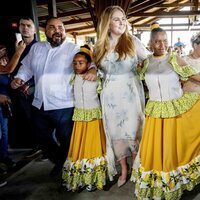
x: 55, y: 43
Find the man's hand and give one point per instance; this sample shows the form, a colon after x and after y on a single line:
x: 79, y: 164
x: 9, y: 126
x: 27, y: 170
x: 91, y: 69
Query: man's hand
x: 4, y: 99
x: 17, y: 82
x: 91, y: 75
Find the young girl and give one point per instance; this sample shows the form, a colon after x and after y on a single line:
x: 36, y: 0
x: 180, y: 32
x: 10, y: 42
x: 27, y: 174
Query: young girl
x: 170, y: 147
x: 85, y: 164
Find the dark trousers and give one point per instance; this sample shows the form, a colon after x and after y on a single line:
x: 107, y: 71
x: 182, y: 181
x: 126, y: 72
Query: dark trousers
x: 45, y: 123
x: 21, y: 134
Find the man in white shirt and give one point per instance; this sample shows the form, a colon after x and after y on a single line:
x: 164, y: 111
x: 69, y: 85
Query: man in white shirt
x: 51, y: 64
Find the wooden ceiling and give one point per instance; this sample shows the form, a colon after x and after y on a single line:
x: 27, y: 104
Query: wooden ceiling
x: 81, y: 16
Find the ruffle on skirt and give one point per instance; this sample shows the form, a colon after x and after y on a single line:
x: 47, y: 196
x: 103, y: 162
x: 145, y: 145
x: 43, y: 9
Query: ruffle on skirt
x: 169, y: 156
x: 166, y: 185
x: 86, y: 161
x: 85, y: 172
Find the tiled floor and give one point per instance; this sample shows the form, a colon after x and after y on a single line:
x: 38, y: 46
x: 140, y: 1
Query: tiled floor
x: 32, y: 182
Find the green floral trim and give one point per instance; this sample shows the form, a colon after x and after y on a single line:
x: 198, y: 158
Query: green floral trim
x: 72, y: 79
x: 183, y: 71
x: 166, y: 185
x: 141, y: 71
x: 81, y: 114
x: 99, y: 86
x: 85, y: 172
x: 172, y: 108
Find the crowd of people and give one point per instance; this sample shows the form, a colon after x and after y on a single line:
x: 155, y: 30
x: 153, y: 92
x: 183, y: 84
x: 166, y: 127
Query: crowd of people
x: 89, y: 112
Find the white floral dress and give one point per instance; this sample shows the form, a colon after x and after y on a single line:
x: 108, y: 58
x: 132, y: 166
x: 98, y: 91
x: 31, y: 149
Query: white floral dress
x: 191, y: 85
x: 121, y: 99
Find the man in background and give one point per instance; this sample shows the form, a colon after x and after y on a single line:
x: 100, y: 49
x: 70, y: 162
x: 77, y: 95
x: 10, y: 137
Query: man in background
x: 21, y: 123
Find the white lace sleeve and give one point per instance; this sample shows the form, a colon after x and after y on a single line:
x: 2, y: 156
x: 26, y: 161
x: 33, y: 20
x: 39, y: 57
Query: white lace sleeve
x: 141, y: 50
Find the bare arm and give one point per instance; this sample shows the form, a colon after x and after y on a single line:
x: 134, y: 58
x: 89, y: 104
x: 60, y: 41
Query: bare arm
x: 196, y: 77
x: 182, y: 62
x: 10, y: 66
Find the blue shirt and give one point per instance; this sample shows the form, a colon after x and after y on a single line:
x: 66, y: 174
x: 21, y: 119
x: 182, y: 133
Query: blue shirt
x: 178, y: 44
x: 4, y: 84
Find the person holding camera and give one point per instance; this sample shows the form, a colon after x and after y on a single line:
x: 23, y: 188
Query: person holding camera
x: 21, y: 122
x: 6, y: 67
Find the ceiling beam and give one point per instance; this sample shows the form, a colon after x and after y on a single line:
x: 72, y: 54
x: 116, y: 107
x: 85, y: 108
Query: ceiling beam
x: 176, y: 4
x: 45, y: 2
x: 85, y: 33
x: 186, y: 29
x: 52, y: 11
x: 92, y: 13
x: 76, y: 21
x: 137, y: 3
x: 67, y: 14
x: 167, y: 14
x: 165, y: 25
x: 79, y: 28
x: 144, y: 7
x: 196, y: 4
x: 146, y: 22
x: 125, y: 5
x: 81, y: 3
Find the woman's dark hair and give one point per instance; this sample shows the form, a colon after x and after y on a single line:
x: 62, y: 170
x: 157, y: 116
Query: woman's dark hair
x: 195, y: 39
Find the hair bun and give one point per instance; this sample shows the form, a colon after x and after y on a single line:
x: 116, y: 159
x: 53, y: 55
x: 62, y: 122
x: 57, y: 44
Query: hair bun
x: 154, y: 25
x: 86, y: 50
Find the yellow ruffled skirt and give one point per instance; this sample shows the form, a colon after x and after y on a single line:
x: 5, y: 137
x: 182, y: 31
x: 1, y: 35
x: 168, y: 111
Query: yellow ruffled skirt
x: 86, y: 163
x: 169, y: 156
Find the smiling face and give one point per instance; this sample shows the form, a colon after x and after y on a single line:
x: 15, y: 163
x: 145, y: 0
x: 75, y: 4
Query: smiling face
x: 159, y: 44
x: 55, y: 32
x: 118, y: 23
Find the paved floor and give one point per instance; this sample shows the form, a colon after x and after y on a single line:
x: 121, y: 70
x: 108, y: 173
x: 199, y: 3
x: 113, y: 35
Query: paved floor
x: 32, y: 182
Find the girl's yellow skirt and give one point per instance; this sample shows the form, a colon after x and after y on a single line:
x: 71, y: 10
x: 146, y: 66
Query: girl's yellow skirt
x: 169, y: 156
x: 86, y: 163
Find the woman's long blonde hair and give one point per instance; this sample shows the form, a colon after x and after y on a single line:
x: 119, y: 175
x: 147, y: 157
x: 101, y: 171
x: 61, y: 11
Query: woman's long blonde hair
x: 125, y: 44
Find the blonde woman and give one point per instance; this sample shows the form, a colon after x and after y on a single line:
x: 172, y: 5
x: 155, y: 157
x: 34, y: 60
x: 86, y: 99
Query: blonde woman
x: 117, y: 54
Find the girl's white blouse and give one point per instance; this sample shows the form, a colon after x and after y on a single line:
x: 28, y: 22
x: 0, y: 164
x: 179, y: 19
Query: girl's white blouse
x: 85, y: 92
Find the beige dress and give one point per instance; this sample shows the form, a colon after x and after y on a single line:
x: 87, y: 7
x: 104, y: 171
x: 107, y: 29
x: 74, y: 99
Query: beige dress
x: 192, y: 85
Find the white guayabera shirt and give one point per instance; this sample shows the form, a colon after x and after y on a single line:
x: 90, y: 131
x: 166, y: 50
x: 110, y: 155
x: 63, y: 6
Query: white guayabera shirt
x: 52, y: 70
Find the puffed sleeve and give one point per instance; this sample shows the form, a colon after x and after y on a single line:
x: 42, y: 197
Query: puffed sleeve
x: 183, y: 71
